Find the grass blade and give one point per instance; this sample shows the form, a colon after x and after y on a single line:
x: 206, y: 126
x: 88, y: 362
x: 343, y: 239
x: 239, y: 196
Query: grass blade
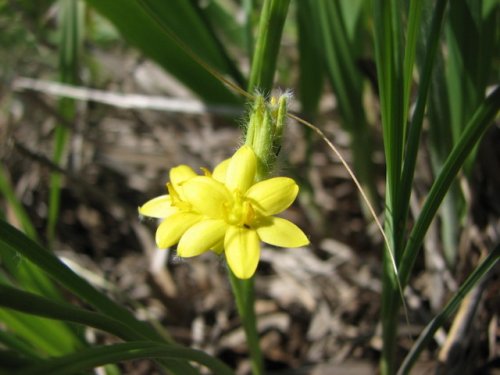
x: 98, y: 356
x: 21, y: 215
x: 223, y: 20
x: 156, y: 29
x: 471, y: 41
x: 29, y: 303
x: 12, y: 239
x: 441, y: 143
x: 341, y: 64
x: 70, y: 28
x: 18, y: 345
x: 311, y: 72
x: 272, y: 19
x: 414, y: 16
x: 16, y: 241
x: 48, y: 337
x: 413, y: 140
x: 469, y: 139
x: 441, y: 318
x: 387, y: 31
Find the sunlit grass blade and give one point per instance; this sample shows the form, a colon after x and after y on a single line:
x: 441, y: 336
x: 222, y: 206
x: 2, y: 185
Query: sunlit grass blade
x: 29, y: 303
x: 441, y: 318
x: 48, y: 337
x: 34, y: 336
x: 25, y: 273
x: 11, y: 238
x: 20, y: 213
x: 470, y: 137
x: 17, y: 345
x: 100, y: 355
x: 267, y: 45
x: 156, y: 28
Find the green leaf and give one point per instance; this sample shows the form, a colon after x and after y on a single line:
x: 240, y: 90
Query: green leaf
x: 48, y: 337
x: 11, y: 362
x: 272, y: 19
x: 469, y: 139
x: 8, y: 192
x: 11, y: 238
x: 14, y: 240
x: 440, y: 145
x: 98, y: 356
x: 471, y: 39
x: 17, y: 344
x: 224, y: 23
x: 340, y: 62
x: 171, y: 33
x: 310, y: 66
x: 413, y: 141
x: 29, y: 303
x: 387, y: 35
x: 70, y: 19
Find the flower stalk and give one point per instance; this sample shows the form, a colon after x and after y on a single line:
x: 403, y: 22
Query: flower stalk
x: 264, y: 133
x: 231, y: 210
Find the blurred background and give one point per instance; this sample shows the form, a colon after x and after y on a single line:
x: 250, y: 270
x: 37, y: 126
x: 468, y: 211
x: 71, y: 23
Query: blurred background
x: 99, y: 99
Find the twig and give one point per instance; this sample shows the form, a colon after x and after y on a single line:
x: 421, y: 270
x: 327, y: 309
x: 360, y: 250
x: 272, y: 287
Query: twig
x: 135, y: 101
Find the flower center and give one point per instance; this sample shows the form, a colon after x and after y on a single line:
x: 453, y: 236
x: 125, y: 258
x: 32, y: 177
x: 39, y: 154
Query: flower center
x: 240, y: 212
x: 177, y: 201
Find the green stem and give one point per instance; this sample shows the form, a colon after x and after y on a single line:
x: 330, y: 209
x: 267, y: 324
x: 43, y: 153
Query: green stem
x: 70, y: 25
x: 245, y: 300
x: 272, y: 19
x: 262, y: 134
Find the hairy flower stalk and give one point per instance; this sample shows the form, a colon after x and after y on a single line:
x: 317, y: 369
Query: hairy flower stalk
x: 230, y: 211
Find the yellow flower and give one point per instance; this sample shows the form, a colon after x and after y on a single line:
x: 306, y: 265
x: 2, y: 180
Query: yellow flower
x: 226, y: 211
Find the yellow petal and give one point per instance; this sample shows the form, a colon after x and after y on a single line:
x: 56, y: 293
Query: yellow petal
x: 240, y: 173
x: 274, y: 195
x: 180, y: 174
x: 207, y: 196
x: 159, y: 207
x: 218, y: 248
x: 172, y: 228
x: 201, y: 237
x: 281, y: 232
x: 242, y: 248
x: 220, y: 171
